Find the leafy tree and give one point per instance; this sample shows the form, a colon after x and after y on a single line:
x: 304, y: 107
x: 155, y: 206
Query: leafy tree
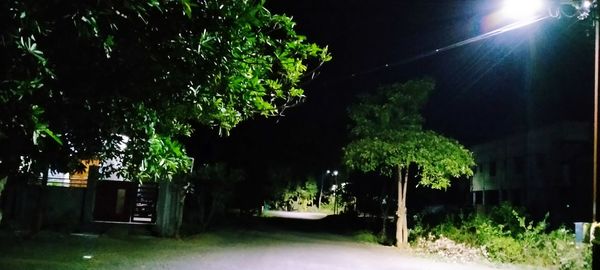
x: 212, y: 190
x: 389, y: 138
x: 289, y: 191
x: 126, y: 79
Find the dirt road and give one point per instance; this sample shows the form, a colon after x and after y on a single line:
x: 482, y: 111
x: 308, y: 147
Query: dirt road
x: 299, y: 250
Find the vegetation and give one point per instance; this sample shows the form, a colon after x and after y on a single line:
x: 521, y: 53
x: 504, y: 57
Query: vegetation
x: 290, y: 193
x: 2, y: 183
x: 389, y: 138
x: 114, y: 251
x: 126, y: 80
x: 206, y: 194
x: 505, y: 235
x: 122, y: 251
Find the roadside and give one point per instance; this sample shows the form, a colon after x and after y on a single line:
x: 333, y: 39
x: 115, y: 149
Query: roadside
x: 265, y: 248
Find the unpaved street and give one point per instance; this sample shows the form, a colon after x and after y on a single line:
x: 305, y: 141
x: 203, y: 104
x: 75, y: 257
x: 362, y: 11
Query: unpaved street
x: 299, y: 250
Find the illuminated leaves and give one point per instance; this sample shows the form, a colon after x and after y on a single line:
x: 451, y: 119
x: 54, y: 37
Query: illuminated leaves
x: 388, y: 132
x: 148, y: 70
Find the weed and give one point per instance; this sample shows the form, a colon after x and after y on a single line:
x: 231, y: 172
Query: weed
x: 508, y: 237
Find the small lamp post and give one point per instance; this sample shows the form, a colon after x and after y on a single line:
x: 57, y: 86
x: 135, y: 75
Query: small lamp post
x: 321, y: 188
x: 335, y: 200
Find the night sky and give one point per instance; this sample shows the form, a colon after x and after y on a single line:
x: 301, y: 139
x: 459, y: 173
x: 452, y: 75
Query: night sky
x: 532, y: 76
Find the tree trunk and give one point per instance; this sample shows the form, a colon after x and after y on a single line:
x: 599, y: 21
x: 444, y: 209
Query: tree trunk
x: 9, y: 197
x: 384, y: 211
x: 201, y: 202
x: 320, y: 193
x: 179, y: 212
x: 38, y: 218
x: 401, y: 224
x: 2, y: 184
x: 215, y: 207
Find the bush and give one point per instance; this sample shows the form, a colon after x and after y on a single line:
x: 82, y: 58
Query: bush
x: 507, y: 237
x: 366, y: 237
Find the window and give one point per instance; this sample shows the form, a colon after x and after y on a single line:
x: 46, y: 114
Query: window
x: 515, y: 197
x: 503, y: 195
x: 492, y: 168
x: 540, y: 161
x: 492, y: 197
x: 566, y: 173
x: 478, y: 197
x: 519, y: 165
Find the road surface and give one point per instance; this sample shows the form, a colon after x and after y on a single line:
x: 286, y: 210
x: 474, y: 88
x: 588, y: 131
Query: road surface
x: 281, y: 249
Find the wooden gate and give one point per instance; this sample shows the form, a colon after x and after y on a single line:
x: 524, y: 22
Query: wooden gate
x: 124, y: 201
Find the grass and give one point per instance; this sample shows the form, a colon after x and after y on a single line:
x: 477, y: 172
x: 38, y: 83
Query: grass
x: 366, y: 237
x: 50, y: 250
x: 56, y: 251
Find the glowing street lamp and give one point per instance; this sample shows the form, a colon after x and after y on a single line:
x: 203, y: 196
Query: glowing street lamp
x: 333, y: 187
x: 522, y: 9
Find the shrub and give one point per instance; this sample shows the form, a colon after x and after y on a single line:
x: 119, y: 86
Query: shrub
x: 366, y: 237
x: 507, y: 237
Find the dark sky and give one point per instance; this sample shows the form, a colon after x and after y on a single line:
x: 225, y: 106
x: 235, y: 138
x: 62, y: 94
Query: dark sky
x: 529, y: 77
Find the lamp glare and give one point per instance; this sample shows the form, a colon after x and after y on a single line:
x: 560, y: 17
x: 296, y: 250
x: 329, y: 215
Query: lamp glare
x: 522, y: 9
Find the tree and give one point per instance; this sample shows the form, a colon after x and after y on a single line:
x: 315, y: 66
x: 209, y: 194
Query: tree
x: 212, y: 189
x: 289, y: 190
x: 126, y: 79
x: 389, y: 138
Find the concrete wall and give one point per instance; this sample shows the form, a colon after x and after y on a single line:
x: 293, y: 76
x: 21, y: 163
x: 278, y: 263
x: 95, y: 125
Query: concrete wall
x: 64, y: 207
x: 169, y: 210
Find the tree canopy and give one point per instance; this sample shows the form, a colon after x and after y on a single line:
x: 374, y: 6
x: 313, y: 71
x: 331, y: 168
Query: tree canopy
x: 126, y: 79
x: 438, y: 159
x: 388, y: 133
x: 389, y: 138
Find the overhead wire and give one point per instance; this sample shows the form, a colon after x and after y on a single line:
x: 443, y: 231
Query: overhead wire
x: 504, y: 29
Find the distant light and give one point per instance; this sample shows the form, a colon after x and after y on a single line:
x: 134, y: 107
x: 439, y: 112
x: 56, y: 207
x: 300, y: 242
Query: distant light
x: 522, y: 9
x: 328, y: 172
x: 87, y: 257
x: 335, y: 172
x: 587, y: 5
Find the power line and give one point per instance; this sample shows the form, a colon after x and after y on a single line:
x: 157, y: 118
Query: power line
x: 504, y: 29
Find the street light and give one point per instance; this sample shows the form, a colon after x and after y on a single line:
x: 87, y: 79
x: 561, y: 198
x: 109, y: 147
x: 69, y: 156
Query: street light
x: 335, y: 201
x: 321, y: 188
x: 582, y: 10
x: 522, y: 9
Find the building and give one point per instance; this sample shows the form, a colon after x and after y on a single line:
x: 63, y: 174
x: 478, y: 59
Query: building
x: 545, y: 170
x: 89, y: 201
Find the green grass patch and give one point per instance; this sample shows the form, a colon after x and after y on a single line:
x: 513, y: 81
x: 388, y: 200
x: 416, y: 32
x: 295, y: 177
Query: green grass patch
x: 365, y: 237
x: 120, y: 251
x: 55, y: 251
